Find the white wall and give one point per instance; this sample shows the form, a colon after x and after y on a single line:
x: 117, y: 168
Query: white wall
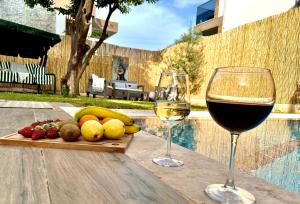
x: 60, y: 24
x: 37, y: 17
x: 239, y: 12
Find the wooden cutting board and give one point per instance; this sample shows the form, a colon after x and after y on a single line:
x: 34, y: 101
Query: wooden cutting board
x: 103, y: 145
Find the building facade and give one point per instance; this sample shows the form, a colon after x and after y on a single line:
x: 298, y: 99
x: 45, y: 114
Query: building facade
x: 54, y: 22
x: 215, y: 16
x: 37, y: 17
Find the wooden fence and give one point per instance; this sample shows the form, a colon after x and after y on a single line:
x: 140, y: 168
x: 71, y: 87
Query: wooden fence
x: 273, y: 43
x: 101, y: 63
x: 140, y: 61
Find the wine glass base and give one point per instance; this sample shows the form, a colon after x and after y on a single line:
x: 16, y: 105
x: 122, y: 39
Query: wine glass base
x: 167, y: 162
x: 229, y: 195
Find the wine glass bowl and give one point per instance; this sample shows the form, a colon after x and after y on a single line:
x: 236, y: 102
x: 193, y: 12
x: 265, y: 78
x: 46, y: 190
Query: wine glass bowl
x: 172, y: 105
x: 238, y: 99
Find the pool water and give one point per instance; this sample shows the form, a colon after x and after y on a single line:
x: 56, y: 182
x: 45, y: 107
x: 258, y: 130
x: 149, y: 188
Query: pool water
x: 271, y: 151
x: 283, y: 171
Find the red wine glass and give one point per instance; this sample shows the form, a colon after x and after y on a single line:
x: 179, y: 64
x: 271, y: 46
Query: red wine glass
x: 238, y: 99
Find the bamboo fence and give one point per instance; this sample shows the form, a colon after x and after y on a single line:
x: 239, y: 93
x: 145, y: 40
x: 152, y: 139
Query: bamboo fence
x: 140, y: 61
x: 272, y: 43
x: 101, y: 63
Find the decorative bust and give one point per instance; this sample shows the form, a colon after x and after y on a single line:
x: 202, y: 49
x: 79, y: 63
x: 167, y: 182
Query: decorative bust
x: 121, y: 73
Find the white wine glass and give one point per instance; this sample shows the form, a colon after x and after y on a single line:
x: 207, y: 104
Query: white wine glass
x: 171, y: 105
x: 238, y: 99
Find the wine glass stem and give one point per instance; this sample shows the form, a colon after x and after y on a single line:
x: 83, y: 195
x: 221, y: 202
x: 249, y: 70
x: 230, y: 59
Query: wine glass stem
x: 169, y: 141
x: 230, y: 176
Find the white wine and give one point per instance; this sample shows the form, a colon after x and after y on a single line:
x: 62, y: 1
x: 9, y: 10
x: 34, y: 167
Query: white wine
x: 171, y: 111
x: 172, y: 105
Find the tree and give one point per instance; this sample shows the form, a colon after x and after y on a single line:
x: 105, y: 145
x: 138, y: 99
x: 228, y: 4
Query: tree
x: 81, y: 12
x: 187, y: 56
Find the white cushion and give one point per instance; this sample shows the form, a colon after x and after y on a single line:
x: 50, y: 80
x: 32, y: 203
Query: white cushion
x: 119, y: 85
x: 98, y: 83
x: 16, y: 67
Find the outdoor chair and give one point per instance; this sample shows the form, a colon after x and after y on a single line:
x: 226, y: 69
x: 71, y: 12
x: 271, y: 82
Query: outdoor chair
x: 31, y: 74
x: 99, y: 86
x: 127, y: 90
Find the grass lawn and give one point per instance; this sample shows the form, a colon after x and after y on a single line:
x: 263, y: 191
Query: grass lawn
x: 83, y: 101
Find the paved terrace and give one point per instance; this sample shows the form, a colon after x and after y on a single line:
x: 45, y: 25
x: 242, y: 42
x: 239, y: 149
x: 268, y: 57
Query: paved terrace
x: 36, y: 175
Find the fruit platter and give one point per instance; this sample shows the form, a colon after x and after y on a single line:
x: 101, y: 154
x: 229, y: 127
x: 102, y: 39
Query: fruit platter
x: 92, y: 128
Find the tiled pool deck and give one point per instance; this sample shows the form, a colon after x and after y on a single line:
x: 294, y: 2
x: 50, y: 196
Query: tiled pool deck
x: 198, y: 171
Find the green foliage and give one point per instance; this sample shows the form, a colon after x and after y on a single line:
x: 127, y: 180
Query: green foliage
x: 187, y: 57
x: 189, y: 37
x: 122, y: 5
x: 44, y: 3
x: 72, y: 9
x: 96, y: 34
x: 65, y: 90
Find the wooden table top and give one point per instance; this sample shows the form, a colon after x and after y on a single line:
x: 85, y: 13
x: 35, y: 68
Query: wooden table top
x: 37, y: 175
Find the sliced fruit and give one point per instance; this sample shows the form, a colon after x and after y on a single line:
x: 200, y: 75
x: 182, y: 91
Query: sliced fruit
x: 114, y: 129
x: 101, y: 112
x: 92, y: 130
x: 132, y: 129
x: 85, y: 118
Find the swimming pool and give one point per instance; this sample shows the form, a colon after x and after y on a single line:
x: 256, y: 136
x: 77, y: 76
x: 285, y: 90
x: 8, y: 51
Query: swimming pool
x: 271, y: 151
x: 283, y: 171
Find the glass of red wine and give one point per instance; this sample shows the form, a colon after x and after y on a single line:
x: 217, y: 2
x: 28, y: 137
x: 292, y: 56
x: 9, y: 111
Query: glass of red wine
x: 238, y: 99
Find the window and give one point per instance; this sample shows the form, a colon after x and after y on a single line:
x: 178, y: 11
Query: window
x: 205, y: 11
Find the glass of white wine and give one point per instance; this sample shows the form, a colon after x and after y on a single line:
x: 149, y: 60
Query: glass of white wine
x: 172, y: 105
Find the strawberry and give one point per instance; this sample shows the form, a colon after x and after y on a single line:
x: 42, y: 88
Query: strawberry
x: 45, y: 126
x: 26, y: 132
x: 35, y: 124
x: 38, y: 134
x: 47, y: 121
x: 52, y: 133
x: 54, y: 125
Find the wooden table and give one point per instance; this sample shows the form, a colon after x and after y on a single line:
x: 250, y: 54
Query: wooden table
x: 36, y: 175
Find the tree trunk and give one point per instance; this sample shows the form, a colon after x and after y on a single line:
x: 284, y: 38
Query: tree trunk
x: 81, y: 53
x: 76, y: 86
x: 72, y: 83
x: 75, y: 80
x: 79, y: 48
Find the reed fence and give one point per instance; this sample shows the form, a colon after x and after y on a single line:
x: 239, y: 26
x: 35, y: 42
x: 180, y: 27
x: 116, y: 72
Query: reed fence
x: 272, y: 43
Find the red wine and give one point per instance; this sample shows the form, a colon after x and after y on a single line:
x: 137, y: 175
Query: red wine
x: 238, y: 117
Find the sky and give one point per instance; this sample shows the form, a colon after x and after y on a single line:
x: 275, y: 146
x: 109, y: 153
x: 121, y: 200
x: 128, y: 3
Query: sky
x: 153, y: 26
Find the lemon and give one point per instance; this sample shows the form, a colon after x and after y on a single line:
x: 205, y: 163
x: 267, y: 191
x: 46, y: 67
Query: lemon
x: 92, y: 130
x: 114, y: 129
